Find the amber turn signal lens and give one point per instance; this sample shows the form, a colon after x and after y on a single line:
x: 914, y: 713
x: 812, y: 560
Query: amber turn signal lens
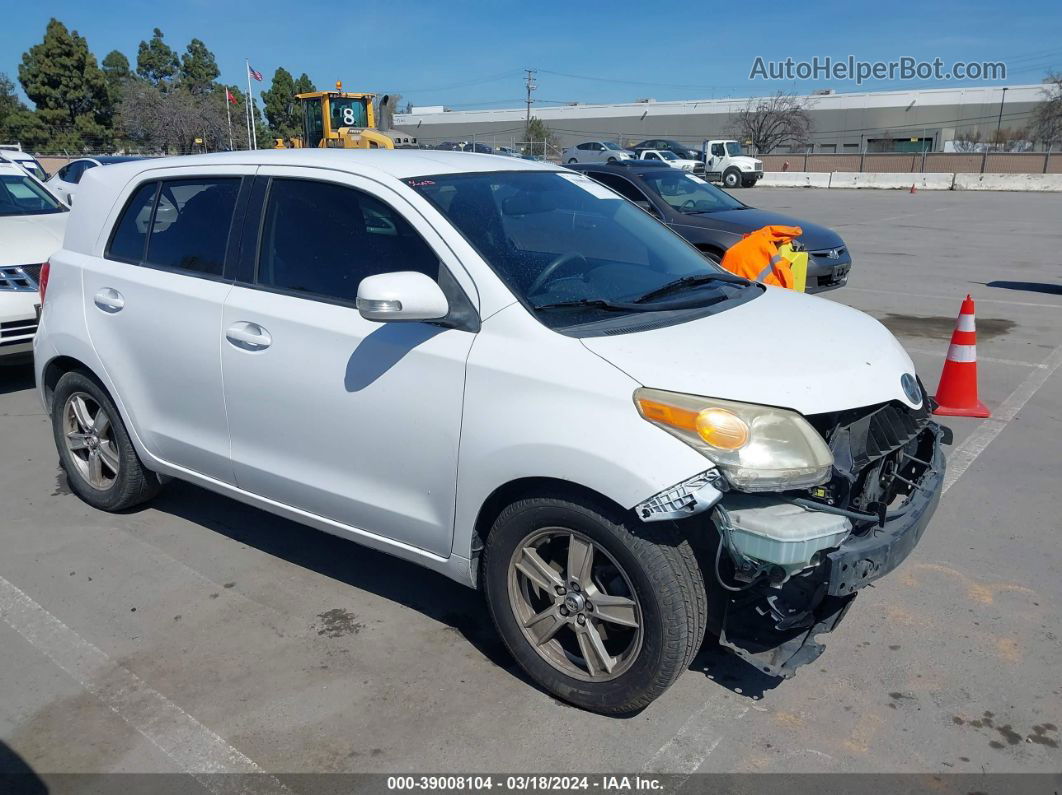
x: 722, y: 429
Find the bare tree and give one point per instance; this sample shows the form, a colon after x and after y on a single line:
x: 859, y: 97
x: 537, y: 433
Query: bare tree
x: 1047, y: 115
x: 771, y: 121
x: 171, y: 121
x: 968, y: 141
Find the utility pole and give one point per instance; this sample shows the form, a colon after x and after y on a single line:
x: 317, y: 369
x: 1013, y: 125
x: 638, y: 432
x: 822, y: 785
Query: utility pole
x: 531, y: 86
x: 999, y: 121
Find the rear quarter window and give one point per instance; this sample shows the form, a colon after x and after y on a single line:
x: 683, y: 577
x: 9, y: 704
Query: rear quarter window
x: 129, y: 238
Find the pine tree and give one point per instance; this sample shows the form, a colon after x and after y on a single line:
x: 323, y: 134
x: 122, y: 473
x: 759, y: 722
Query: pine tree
x: 199, y: 68
x: 62, y: 79
x: 156, y: 62
x: 304, y: 85
x: 281, y: 107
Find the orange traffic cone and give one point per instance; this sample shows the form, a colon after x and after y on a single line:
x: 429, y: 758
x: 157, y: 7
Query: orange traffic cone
x: 913, y: 189
x: 957, y: 392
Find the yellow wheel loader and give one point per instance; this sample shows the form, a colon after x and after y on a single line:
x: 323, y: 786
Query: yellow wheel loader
x: 341, y: 120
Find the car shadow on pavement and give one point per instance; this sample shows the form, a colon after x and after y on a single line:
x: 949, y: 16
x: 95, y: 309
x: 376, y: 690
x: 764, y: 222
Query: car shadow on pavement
x: 16, y: 776
x: 728, y: 670
x: 1031, y: 287
x: 16, y: 375
x: 460, y: 608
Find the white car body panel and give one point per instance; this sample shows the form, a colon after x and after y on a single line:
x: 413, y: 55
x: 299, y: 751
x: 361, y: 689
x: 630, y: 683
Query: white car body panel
x: 395, y: 434
x: 24, y: 240
x: 782, y: 349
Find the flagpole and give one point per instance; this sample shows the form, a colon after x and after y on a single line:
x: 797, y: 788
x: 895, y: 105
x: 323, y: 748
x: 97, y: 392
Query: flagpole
x: 253, y: 135
x: 250, y: 116
x: 228, y: 115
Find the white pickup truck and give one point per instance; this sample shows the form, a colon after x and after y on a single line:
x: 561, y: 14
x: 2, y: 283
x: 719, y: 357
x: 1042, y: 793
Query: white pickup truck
x: 673, y: 160
x: 727, y: 163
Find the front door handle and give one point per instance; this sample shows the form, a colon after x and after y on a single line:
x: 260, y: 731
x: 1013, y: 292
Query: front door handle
x: 249, y: 336
x: 109, y: 300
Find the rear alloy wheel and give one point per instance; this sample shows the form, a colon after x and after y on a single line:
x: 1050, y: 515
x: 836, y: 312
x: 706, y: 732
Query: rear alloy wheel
x: 598, y: 615
x: 101, y: 465
x: 89, y: 439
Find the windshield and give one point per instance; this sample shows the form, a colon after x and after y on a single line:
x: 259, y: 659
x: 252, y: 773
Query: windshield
x: 733, y: 148
x: 561, y: 238
x: 33, y: 167
x: 610, y: 145
x: 348, y: 112
x: 668, y: 155
x: 689, y: 194
x: 22, y: 195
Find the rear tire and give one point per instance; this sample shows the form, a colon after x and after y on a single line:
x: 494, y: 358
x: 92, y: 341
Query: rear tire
x: 95, y: 451
x: 642, y: 594
x: 572, y: 160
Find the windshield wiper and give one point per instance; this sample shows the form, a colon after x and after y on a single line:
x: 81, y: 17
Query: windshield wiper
x: 595, y: 303
x: 689, y: 281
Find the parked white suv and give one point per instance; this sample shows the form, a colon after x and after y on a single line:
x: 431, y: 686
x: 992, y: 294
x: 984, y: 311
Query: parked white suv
x: 31, y: 230
x: 504, y: 372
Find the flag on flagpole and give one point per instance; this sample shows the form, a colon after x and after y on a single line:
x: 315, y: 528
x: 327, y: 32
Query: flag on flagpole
x: 230, y: 98
x: 256, y: 75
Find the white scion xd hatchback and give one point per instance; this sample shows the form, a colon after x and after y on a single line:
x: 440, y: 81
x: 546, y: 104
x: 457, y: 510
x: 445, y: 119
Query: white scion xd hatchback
x: 500, y: 370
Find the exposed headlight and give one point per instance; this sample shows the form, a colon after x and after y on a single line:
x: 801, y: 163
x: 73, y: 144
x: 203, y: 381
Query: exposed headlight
x: 758, y: 448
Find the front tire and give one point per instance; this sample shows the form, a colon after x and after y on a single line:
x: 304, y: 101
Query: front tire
x: 95, y: 451
x: 732, y: 178
x: 601, y: 612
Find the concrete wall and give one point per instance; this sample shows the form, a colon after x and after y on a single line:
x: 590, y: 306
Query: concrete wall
x: 941, y: 181
x: 1029, y: 182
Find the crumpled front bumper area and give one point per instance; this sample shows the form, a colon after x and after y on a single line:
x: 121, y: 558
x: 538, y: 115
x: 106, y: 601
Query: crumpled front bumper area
x: 774, y: 627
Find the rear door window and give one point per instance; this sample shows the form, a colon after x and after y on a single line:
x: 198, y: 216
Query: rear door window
x: 190, y: 227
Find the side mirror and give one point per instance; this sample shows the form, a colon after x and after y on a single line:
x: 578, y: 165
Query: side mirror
x: 401, y: 296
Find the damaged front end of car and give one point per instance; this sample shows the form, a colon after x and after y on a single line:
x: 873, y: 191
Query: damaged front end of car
x: 783, y: 567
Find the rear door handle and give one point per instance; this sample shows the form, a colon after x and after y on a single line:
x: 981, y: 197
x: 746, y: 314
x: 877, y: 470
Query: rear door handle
x: 109, y: 300
x: 249, y: 336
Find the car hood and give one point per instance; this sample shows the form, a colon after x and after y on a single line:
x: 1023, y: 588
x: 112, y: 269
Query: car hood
x: 31, y: 239
x: 782, y: 349
x: 814, y: 237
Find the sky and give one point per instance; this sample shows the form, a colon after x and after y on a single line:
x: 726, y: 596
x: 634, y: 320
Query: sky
x: 470, y: 55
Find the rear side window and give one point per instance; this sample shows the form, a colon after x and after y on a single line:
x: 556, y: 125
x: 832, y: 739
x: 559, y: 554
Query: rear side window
x: 130, y: 235
x: 179, y: 224
x: 190, y: 226
x: 322, y: 238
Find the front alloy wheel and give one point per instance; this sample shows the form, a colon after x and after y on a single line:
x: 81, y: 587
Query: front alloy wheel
x: 599, y: 609
x: 575, y: 605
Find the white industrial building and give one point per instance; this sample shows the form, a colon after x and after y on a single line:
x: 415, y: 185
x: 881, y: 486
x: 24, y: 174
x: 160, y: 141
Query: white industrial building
x: 877, y: 121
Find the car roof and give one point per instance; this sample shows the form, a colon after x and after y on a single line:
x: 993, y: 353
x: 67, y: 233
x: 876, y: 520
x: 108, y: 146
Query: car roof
x: 9, y: 167
x: 636, y: 168
x: 397, y: 163
x: 108, y: 160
